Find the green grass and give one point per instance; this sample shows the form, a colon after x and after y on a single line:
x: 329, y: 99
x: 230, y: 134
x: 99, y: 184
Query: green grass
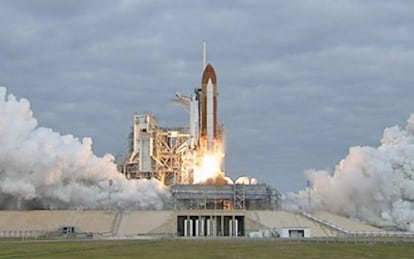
x: 203, y: 249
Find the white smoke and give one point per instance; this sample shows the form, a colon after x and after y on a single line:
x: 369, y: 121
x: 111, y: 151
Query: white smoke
x: 40, y: 168
x: 246, y: 180
x: 375, y: 185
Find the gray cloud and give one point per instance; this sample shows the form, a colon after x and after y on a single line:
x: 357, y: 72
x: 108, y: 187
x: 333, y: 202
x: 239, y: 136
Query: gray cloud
x: 300, y: 81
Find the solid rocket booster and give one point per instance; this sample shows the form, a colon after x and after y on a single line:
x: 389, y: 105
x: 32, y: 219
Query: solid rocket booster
x: 208, y: 109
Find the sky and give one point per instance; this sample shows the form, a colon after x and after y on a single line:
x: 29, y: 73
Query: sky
x: 300, y: 82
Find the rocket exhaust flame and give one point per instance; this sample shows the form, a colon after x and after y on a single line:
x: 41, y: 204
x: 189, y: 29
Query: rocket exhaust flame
x: 209, y: 168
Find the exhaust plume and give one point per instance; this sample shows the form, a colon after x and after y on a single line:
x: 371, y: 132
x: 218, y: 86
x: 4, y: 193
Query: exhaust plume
x: 375, y: 185
x: 41, y: 169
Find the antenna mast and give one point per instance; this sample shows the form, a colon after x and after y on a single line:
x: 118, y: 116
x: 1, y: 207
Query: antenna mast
x: 204, y: 55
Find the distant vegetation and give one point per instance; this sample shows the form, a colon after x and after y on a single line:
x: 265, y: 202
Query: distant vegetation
x: 224, y: 248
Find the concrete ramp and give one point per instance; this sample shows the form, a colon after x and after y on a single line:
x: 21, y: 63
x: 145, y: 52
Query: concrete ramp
x: 42, y: 220
x: 94, y: 221
x: 345, y: 223
x: 53, y: 220
x: 119, y: 223
x: 135, y: 223
x: 284, y: 219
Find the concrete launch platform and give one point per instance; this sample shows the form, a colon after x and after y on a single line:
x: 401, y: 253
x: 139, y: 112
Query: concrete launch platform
x: 182, y: 223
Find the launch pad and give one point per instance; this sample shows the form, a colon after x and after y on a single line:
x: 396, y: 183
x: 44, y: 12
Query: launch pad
x: 189, y: 159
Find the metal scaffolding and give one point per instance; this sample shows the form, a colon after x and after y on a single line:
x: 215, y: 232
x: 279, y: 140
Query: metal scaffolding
x: 224, y: 197
x: 239, y: 196
x: 155, y: 152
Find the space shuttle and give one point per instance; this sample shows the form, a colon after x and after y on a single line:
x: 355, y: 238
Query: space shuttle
x: 204, y: 150
x: 205, y: 130
x: 208, y: 110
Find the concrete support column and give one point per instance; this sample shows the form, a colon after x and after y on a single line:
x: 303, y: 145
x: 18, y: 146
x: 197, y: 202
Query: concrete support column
x: 222, y: 226
x: 233, y: 226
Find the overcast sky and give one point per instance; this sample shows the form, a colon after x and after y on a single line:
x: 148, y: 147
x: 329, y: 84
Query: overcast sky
x: 299, y: 81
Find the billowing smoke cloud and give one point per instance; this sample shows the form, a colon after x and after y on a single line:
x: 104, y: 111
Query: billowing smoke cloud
x: 40, y: 168
x: 375, y: 185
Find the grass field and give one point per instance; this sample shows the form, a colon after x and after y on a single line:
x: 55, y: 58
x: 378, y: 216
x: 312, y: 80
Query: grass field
x: 203, y: 249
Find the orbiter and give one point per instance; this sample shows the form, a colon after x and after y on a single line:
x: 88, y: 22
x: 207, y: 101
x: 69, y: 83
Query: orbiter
x: 208, y: 110
x: 205, y: 129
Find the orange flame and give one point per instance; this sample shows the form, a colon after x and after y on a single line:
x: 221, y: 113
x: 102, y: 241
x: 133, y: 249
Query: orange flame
x: 209, y: 168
